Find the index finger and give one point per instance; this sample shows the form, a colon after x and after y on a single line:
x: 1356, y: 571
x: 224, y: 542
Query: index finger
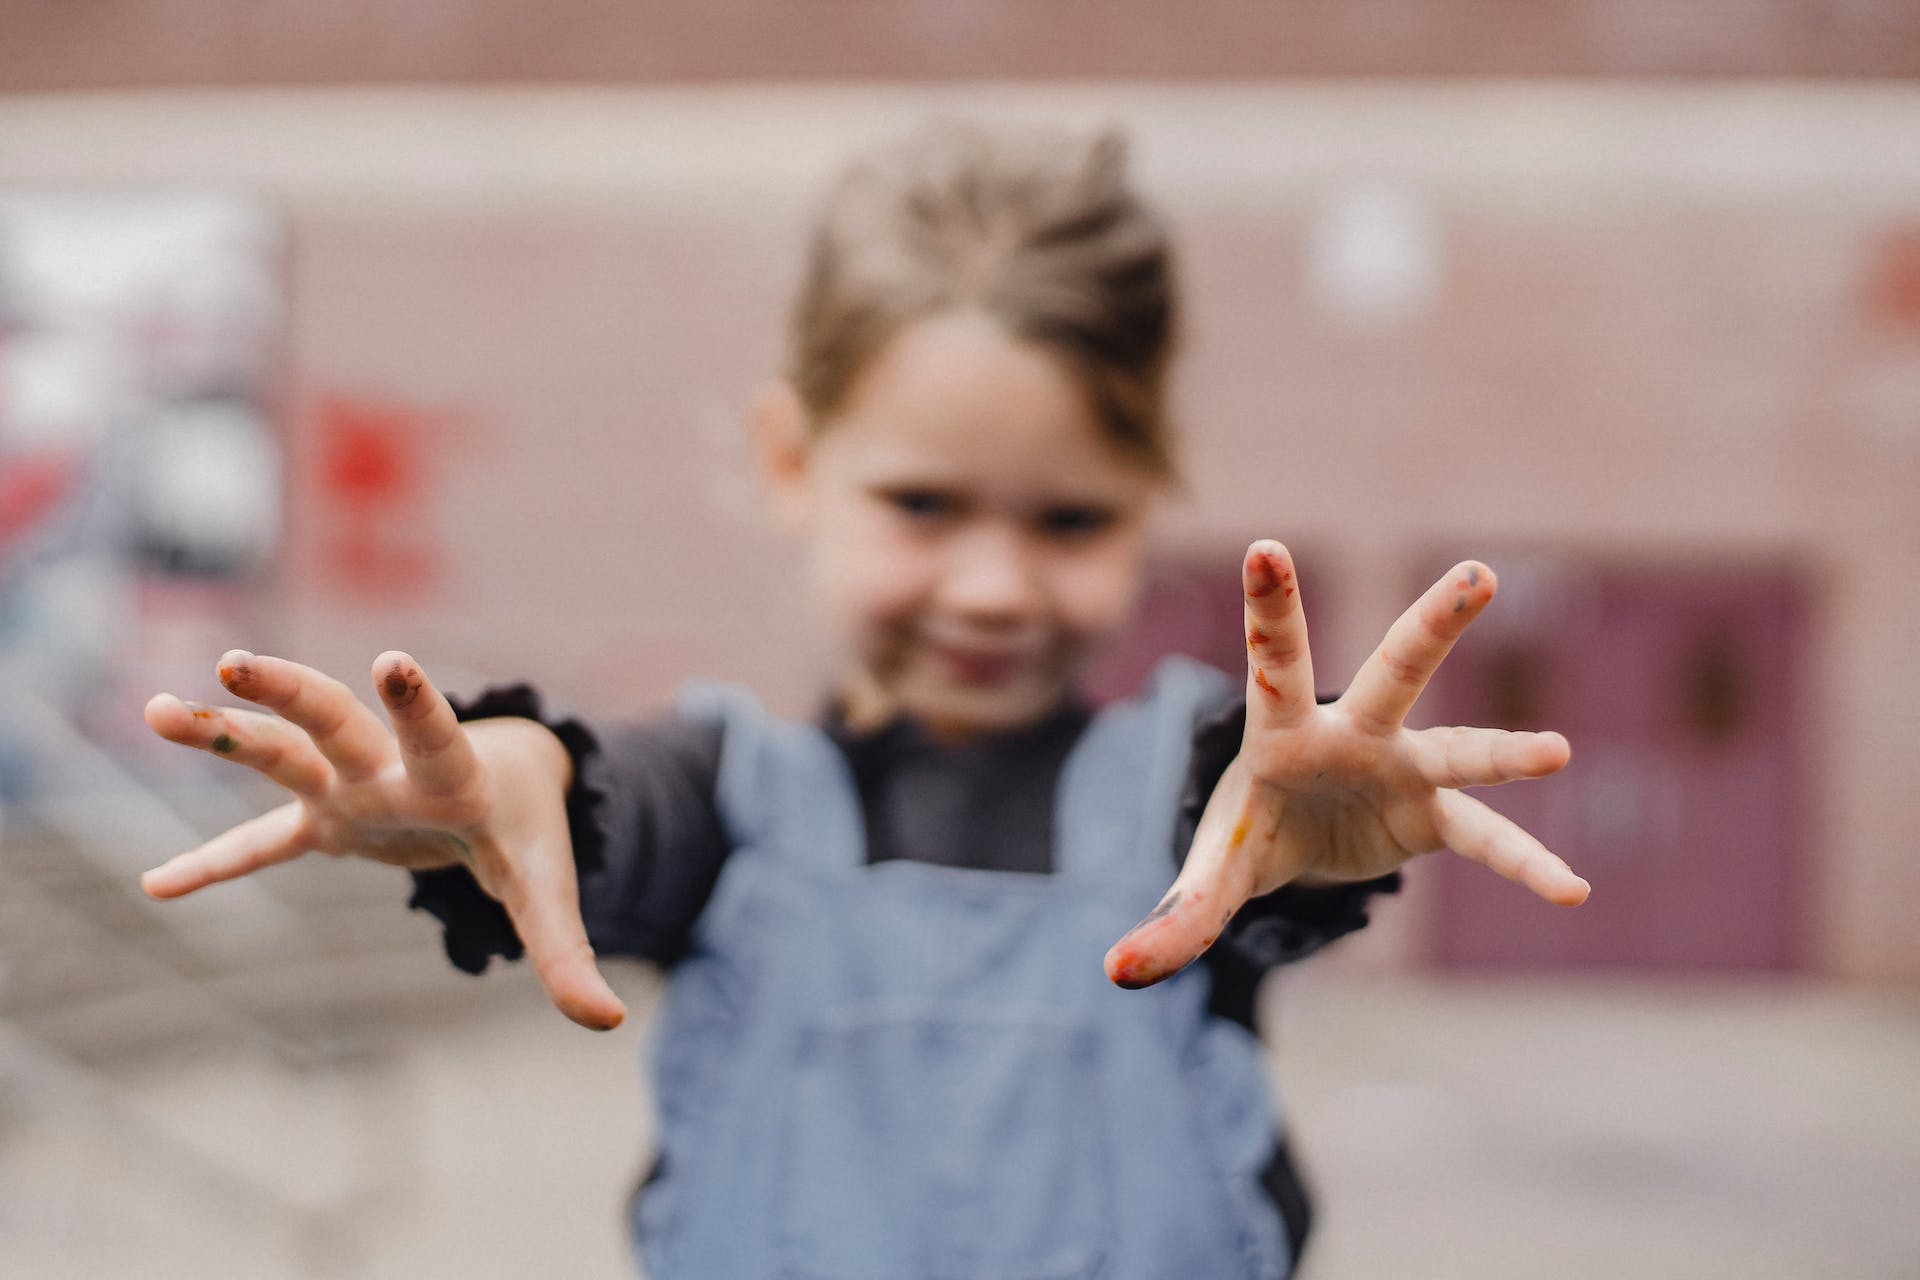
x: 436, y: 751
x: 1391, y: 681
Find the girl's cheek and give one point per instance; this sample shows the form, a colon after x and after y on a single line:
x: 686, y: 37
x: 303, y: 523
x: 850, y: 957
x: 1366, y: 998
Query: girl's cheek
x: 880, y: 576
x: 1097, y: 591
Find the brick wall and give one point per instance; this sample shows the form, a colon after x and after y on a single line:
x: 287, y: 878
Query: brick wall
x: 59, y: 44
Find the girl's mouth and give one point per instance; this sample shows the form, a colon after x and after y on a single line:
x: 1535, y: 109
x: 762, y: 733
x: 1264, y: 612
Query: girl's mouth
x: 978, y: 666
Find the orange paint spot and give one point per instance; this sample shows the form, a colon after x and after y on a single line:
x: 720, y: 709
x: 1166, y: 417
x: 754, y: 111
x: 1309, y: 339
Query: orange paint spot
x: 1255, y: 637
x: 1260, y: 678
x: 1130, y: 970
x: 1239, y: 835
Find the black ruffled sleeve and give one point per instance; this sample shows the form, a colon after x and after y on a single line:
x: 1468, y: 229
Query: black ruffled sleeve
x: 1288, y: 924
x: 476, y: 926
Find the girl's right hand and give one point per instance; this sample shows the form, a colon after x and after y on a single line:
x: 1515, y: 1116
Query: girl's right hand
x: 431, y: 793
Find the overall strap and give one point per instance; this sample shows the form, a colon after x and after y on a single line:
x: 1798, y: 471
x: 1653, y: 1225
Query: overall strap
x: 1120, y: 789
x: 784, y: 789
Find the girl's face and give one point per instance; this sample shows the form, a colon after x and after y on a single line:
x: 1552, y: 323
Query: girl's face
x: 973, y: 534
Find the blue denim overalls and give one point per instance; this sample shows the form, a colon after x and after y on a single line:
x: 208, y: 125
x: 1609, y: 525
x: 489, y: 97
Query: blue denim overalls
x: 914, y: 1072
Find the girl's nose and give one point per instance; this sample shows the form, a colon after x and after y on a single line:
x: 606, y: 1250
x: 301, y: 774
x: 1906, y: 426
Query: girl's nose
x: 991, y: 572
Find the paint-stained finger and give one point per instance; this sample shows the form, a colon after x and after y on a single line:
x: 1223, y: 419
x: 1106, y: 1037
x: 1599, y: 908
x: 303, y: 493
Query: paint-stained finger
x: 259, y: 741
x: 1279, y: 663
x: 1463, y: 757
x: 1474, y: 831
x: 276, y: 836
x: 1392, y: 679
x: 1215, y: 881
x: 347, y: 733
x: 544, y: 902
x: 435, y: 749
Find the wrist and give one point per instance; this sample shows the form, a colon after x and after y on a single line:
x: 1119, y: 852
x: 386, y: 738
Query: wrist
x: 512, y: 747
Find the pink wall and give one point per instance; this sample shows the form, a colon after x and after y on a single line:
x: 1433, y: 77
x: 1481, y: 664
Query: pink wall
x: 1635, y: 353
x: 118, y: 43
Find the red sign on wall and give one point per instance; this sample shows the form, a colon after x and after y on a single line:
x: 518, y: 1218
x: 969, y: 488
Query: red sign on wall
x: 373, y: 462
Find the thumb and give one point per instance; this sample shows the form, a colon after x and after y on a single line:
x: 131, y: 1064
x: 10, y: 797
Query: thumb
x: 1216, y: 880
x: 545, y: 908
x: 1177, y: 932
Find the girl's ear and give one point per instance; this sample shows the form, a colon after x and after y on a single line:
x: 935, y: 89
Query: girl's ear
x: 780, y: 445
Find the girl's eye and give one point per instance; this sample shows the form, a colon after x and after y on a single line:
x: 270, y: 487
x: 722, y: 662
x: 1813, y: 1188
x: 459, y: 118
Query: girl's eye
x: 1075, y: 522
x: 922, y: 504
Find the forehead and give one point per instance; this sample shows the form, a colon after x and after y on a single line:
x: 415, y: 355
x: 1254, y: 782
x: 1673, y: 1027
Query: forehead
x: 955, y: 400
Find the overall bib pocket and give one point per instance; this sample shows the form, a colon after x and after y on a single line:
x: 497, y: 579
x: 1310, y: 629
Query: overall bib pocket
x: 935, y: 1143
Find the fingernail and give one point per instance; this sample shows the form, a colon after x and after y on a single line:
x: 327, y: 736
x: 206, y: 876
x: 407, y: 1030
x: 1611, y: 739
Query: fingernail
x: 1261, y: 579
x: 236, y: 669
x: 400, y: 686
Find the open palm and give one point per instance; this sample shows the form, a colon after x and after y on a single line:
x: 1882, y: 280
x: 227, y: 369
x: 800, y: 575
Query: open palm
x: 1345, y: 791
x: 422, y: 794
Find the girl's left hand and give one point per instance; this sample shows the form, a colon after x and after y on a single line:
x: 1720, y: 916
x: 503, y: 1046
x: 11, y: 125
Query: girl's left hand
x: 1324, y: 794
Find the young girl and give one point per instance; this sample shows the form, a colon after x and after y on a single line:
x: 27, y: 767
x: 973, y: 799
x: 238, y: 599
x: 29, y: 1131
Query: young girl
x: 887, y: 1049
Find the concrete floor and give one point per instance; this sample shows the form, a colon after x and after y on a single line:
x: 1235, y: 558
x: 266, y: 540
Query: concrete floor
x: 1452, y: 1129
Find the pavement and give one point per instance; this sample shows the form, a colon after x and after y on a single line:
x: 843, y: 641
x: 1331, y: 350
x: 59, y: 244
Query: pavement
x: 432, y: 1126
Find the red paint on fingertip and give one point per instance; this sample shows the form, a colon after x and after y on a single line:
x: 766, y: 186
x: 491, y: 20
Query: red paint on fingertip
x: 1130, y: 970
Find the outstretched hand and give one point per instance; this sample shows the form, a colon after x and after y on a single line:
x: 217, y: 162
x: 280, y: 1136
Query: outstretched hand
x: 429, y: 793
x: 1343, y: 792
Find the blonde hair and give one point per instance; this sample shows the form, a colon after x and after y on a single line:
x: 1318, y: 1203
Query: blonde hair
x: 1037, y: 229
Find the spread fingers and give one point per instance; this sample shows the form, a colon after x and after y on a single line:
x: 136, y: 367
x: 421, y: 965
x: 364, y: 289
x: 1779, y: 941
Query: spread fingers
x: 349, y: 735
x: 261, y: 742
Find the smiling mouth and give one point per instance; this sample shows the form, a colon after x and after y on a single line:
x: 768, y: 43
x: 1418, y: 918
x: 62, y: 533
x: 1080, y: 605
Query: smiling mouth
x: 976, y: 667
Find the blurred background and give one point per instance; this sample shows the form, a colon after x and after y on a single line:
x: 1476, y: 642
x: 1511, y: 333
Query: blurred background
x: 332, y: 328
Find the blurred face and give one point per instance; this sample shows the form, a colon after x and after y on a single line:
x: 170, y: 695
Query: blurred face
x: 973, y: 535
